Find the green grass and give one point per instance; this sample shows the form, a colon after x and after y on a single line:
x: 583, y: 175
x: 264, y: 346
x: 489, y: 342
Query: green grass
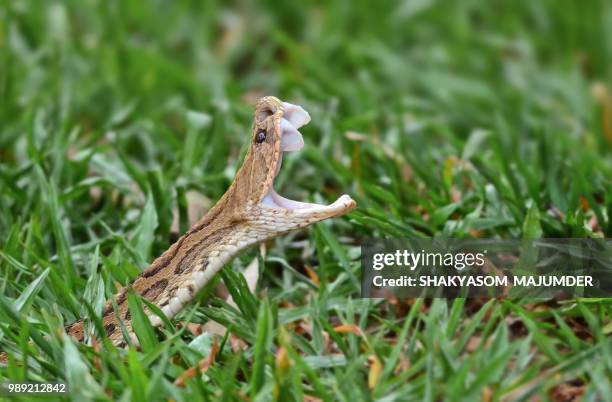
x: 441, y: 118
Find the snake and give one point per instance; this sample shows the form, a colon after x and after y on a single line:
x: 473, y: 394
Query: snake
x: 250, y: 212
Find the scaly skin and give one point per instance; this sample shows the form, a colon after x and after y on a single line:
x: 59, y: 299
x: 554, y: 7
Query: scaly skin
x: 240, y: 219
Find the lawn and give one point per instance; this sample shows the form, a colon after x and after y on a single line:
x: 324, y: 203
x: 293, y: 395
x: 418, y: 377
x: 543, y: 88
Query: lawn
x: 122, y: 122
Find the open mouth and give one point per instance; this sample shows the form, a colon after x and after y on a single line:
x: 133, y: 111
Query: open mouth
x: 293, y: 118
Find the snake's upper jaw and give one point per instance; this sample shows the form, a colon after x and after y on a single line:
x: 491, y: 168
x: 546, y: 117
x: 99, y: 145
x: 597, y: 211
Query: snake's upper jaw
x: 293, y: 118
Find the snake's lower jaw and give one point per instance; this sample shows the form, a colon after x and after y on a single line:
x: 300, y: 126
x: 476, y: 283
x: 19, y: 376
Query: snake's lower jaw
x: 274, y: 202
x: 276, y: 219
x: 341, y: 206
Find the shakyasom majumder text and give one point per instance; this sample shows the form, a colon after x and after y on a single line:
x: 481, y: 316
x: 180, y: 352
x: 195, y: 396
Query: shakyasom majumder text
x: 476, y: 268
x: 481, y: 281
x: 413, y: 260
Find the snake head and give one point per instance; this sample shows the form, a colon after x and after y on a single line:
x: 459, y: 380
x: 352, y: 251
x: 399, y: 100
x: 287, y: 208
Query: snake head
x: 275, y: 131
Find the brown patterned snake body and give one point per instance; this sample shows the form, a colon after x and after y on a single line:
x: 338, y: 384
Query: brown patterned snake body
x: 248, y: 213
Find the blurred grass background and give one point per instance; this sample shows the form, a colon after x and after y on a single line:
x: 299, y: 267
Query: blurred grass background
x: 121, y: 120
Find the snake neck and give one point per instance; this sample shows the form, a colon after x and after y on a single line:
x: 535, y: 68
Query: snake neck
x: 175, y: 277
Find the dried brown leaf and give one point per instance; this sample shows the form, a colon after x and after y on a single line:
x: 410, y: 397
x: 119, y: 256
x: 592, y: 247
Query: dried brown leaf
x: 486, y: 395
x: 237, y: 344
x: 375, y: 371
x: 403, y: 364
x: 567, y: 392
x: 282, y: 359
x: 601, y: 93
x: 349, y: 329
x: 202, y: 367
x: 214, y: 328
x: 312, y: 275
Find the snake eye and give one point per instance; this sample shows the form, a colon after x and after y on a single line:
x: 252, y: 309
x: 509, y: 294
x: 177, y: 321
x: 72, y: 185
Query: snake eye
x: 260, y: 137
